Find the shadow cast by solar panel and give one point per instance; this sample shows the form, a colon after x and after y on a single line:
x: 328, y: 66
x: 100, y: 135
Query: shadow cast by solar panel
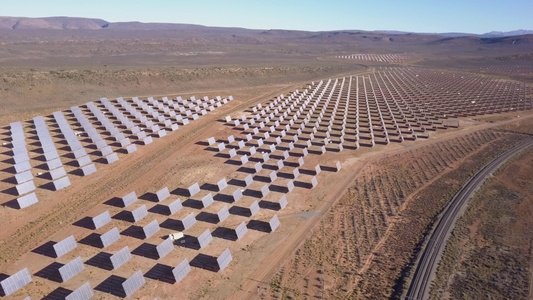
x: 40, y: 158
x: 10, y: 170
x: 262, y: 178
x: 181, y: 192
x: 255, y: 159
x: 306, y: 185
x: 51, y: 272
x: 12, y: 204
x: 124, y: 215
x: 259, y: 226
x: 172, y: 224
x: 162, y: 273
x: 225, y: 233
x: 160, y: 209
x: 149, y: 197
x: 197, y: 204
x: 246, y: 170
x: 101, y: 260
x: 146, y: 250
x: 223, y: 198
x: 269, y: 205
x: 237, y: 182
x: 12, y: 191
x: 270, y: 167
x: 46, y: 249
x: 240, y: 211
x: 206, y: 262
x: 115, y: 201
x: 202, y: 143
x: 328, y: 169
x: 207, y: 217
x: 252, y: 193
x: 48, y: 186
x: 285, y: 175
x: 9, y: 161
x: 134, y: 231
x: 307, y: 172
x: 222, y: 155
x: 10, y: 180
x: 59, y: 293
x: 209, y: 187
x: 233, y: 162
x: 93, y: 239
x: 112, y: 285
x: 190, y: 242
x: 86, y: 222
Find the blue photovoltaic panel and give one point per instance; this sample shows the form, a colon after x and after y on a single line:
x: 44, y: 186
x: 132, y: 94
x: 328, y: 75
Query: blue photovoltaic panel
x: 65, y: 246
x: 207, y: 200
x: 175, y: 206
x: 223, y: 214
x: 224, y: 259
x: 27, y: 200
x: 165, y: 248
x: 129, y: 199
x: 274, y: 223
x: 15, y: 281
x: 110, y: 237
x: 181, y: 270
x: 205, y: 238
x: 71, y: 269
x: 139, y: 213
x: 241, y: 230
x: 120, y: 258
x: 254, y: 208
x: 84, y: 292
x: 189, y: 221
x: 162, y: 194
x: 133, y: 283
x: 102, y: 219
x: 151, y: 228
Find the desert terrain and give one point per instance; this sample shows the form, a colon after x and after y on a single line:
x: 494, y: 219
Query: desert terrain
x: 408, y: 118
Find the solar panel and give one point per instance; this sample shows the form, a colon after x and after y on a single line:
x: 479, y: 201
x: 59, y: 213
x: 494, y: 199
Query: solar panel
x: 290, y: 186
x: 248, y: 180
x: 23, y: 177
x: 133, y: 283
x: 54, y: 163
x: 274, y: 223
x: 221, y: 146
x: 223, y: 214
x: 237, y: 195
x: 151, y: 228
x: 61, y: 183
x: 224, y: 259
x: 25, y: 187
x: 175, y: 206
x: 207, y: 200
x: 188, y: 221
x: 264, y: 190
x: 88, y: 169
x: 165, y: 248
x: 21, y: 167
x: 139, y: 213
x: 280, y: 164
x: 258, y: 167
x: 120, y: 258
x: 71, y: 269
x: 21, y: 157
x: 244, y: 159
x: 338, y: 165
x: 314, y: 182
x: 15, y: 281
x: 205, y: 238
x: 241, y: 230
x: 84, y: 160
x: 84, y: 292
x: 51, y: 155
x: 110, y: 237
x: 129, y: 199
x: 254, y: 208
x: 222, y: 184
x: 194, y: 189
x: 65, y: 246
x: 296, y: 173
x: 300, y: 161
x: 273, y: 176
x: 112, y: 158
x: 27, y: 200
x: 147, y: 140
x: 283, y: 202
x: 58, y: 173
x: 162, y: 194
x: 101, y: 220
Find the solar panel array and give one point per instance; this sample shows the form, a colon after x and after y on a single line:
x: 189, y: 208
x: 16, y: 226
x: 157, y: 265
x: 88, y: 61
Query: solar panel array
x: 151, y: 228
x: 63, y: 247
x: 110, y: 237
x: 205, y: 238
x: 132, y: 284
x: 71, y: 269
x: 84, y: 292
x: 101, y: 220
x: 224, y: 259
x: 15, y: 281
x: 165, y: 248
x: 120, y: 258
x: 181, y: 270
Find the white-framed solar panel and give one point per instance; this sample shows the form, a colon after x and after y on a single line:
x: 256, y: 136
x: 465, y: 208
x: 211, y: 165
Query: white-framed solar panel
x: 162, y: 194
x: 58, y: 173
x: 110, y: 237
x: 101, y: 219
x: 290, y: 186
x: 21, y: 167
x: 107, y: 150
x: 274, y: 223
x: 254, y: 208
x: 21, y: 157
x: 15, y: 281
x: 205, y: 238
x: 63, y: 247
x: 175, y: 206
x: 23, y: 177
x: 27, y: 200
x: 25, y: 187
x: 71, y: 269
x: 139, y: 213
x: 132, y: 284
x: 54, y: 163
x: 111, y: 158
x: 165, y: 248
x: 314, y: 182
x: 194, y: 189
x: 84, y: 292
x: 223, y: 214
x: 61, y: 183
x: 189, y: 221
x: 265, y: 190
x: 224, y: 259
x: 241, y: 230
x: 129, y: 199
x: 88, y: 169
x: 237, y: 195
x: 151, y: 228
x: 120, y: 258
x: 207, y: 200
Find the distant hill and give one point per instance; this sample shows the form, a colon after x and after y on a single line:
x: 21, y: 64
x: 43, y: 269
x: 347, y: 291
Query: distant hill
x: 477, y: 40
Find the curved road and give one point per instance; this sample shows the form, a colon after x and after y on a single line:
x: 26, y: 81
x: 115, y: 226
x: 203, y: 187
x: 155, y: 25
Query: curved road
x: 427, y: 265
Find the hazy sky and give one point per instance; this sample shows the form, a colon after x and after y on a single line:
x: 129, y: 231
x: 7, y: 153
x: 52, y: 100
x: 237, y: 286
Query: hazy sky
x: 472, y: 16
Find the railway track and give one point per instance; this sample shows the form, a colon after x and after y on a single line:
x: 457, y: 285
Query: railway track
x: 427, y: 265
